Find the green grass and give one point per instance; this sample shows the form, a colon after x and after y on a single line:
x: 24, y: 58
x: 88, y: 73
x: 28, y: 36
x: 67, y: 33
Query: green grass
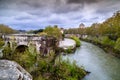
x: 77, y: 40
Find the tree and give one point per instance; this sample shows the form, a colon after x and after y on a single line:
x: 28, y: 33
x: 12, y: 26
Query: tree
x: 6, y: 30
x: 117, y: 44
x: 53, y: 31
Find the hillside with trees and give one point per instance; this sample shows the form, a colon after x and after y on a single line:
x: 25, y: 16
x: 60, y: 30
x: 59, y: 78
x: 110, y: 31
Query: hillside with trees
x: 4, y: 29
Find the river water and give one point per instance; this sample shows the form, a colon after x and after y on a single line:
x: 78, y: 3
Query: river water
x: 102, y: 66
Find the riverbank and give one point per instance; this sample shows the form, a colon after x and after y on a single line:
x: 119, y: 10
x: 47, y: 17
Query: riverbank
x: 45, y: 67
x: 102, y: 66
x: 106, y: 48
x: 69, y: 45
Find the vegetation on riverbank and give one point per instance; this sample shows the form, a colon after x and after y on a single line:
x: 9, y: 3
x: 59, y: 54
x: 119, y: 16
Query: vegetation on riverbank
x: 77, y: 40
x: 71, y: 49
x: 1, y: 42
x: 105, y: 35
x: 45, y: 67
x: 106, y: 44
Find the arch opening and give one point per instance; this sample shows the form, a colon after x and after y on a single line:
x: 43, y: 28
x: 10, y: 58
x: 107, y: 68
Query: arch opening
x: 21, y: 48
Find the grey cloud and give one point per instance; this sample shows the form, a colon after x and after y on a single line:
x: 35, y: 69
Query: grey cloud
x: 82, y: 1
x: 55, y: 22
x: 23, y: 18
x: 66, y: 12
x: 68, y: 8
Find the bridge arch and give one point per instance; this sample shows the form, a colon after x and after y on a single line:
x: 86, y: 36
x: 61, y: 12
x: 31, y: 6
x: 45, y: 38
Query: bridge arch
x: 21, y: 48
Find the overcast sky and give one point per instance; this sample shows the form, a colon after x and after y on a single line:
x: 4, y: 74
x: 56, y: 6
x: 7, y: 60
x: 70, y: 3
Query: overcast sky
x: 36, y: 14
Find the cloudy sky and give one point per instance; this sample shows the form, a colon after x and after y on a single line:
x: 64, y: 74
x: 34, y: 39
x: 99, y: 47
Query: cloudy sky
x: 36, y: 14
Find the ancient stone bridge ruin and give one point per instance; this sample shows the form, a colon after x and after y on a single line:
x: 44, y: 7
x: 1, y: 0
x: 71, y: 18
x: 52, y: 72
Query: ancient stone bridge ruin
x: 43, y: 43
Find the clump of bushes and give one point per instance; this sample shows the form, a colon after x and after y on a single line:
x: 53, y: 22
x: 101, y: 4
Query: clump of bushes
x: 117, y: 45
x: 7, y: 52
x: 69, y: 50
x: 24, y: 58
x: 77, y: 40
x: 1, y: 42
x: 45, y: 68
x: 107, y: 42
x: 61, y: 71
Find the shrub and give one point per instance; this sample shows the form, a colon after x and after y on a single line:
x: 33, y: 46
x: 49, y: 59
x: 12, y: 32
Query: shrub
x: 1, y: 43
x: 61, y: 71
x: 25, y: 59
x: 69, y: 50
x: 117, y: 44
x: 77, y: 40
x: 7, y: 52
x: 108, y: 42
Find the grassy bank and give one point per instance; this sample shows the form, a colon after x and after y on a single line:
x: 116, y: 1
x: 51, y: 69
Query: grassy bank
x: 108, y: 45
x: 61, y: 71
x: 77, y: 40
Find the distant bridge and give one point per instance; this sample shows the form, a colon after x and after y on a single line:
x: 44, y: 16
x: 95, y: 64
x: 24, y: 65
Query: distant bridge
x: 77, y: 35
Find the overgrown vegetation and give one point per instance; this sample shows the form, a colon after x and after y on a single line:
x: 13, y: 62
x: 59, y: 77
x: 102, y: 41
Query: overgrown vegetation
x: 1, y: 42
x: 69, y: 50
x: 77, y: 40
x: 4, y: 29
x: 117, y: 45
x: 105, y: 34
x: 44, y: 67
x: 53, y: 31
x: 60, y: 71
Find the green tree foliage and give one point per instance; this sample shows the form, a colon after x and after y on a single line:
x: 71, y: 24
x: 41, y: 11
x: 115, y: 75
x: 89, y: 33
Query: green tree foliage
x: 53, y: 31
x: 1, y: 42
x: 110, y: 28
x: 77, y: 40
x: 24, y: 57
x: 117, y: 44
x: 108, y: 42
x: 44, y: 68
x: 35, y: 31
x: 6, y: 30
x: 61, y: 71
x: 104, y: 34
x: 7, y: 51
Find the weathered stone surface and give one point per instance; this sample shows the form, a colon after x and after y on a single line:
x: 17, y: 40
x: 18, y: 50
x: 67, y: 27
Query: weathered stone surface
x: 67, y: 43
x: 10, y: 70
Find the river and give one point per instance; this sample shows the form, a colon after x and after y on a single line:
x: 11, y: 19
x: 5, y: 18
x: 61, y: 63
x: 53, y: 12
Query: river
x: 102, y: 65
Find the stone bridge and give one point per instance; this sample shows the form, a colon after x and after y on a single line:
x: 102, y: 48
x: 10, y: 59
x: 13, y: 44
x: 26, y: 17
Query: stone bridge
x: 77, y: 35
x: 42, y: 43
x: 23, y: 39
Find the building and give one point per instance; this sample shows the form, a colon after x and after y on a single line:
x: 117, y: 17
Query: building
x: 81, y: 25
